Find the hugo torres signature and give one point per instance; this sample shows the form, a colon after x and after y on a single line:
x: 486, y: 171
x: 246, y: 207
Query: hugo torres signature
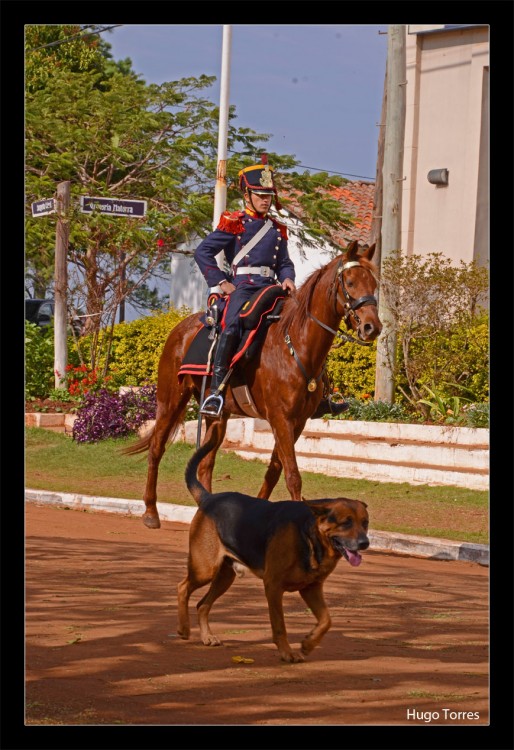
x: 446, y: 714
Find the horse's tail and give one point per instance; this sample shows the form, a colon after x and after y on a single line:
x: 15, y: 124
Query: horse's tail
x: 144, y: 443
x: 141, y: 445
x: 194, y: 486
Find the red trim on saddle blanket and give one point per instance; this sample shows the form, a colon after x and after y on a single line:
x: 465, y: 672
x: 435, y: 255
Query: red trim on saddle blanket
x: 255, y: 301
x: 199, y: 368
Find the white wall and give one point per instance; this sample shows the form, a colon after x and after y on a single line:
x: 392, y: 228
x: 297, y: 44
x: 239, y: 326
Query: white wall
x: 446, y: 127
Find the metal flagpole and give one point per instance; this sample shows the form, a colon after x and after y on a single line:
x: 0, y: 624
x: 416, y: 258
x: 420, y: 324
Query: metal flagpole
x: 220, y: 190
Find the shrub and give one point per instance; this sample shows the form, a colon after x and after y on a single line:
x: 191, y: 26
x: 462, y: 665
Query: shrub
x: 475, y: 415
x: 374, y: 411
x: 39, y: 361
x: 135, y: 348
x: 351, y: 368
x: 109, y: 415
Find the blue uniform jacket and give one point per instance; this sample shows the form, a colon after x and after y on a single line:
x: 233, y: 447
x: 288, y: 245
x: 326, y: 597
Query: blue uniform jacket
x: 232, y: 233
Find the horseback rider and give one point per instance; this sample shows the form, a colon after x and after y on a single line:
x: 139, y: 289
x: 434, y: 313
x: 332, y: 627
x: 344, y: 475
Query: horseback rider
x: 265, y: 263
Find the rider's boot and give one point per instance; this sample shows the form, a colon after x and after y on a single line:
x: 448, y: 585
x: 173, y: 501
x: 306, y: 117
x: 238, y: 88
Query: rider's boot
x: 328, y: 406
x: 225, y: 350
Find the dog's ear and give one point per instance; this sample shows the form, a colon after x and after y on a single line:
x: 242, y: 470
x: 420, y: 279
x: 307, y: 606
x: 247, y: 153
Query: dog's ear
x: 320, y: 508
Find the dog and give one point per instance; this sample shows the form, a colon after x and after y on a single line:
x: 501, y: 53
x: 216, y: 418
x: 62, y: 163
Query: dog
x: 291, y: 546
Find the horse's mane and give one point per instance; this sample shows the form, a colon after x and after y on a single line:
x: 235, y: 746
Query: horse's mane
x: 297, y: 308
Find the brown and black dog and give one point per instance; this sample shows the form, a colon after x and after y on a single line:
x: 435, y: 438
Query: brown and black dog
x: 291, y: 546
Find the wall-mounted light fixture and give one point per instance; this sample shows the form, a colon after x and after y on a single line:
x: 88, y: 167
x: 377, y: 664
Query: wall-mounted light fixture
x: 438, y: 176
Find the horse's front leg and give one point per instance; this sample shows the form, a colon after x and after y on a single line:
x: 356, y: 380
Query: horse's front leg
x: 285, y: 439
x: 217, y: 427
x: 272, y: 476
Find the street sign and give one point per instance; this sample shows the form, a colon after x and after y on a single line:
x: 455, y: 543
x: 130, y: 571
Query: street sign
x: 112, y: 206
x: 44, y: 207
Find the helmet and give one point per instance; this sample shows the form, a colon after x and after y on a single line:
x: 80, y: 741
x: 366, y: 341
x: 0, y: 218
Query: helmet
x: 259, y: 179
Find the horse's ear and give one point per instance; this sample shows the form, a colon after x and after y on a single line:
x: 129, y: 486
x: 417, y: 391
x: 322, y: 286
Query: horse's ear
x: 352, y: 250
x: 369, y: 252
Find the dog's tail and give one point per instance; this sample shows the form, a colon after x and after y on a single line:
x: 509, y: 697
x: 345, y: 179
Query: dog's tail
x: 195, y: 487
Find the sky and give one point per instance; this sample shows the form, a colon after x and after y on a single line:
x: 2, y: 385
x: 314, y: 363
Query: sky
x: 316, y: 89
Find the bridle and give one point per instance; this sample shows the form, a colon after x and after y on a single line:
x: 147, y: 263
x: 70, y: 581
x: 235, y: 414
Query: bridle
x: 350, y: 305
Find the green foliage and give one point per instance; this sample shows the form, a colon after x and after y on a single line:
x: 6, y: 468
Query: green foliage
x: 476, y: 415
x: 45, y: 55
x: 39, y: 361
x: 443, y: 408
x: 135, y: 348
x: 438, y: 318
x: 374, y: 411
x: 351, y: 368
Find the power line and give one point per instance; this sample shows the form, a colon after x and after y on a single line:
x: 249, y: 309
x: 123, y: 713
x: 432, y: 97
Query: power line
x: 318, y: 169
x: 81, y: 34
x: 343, y: 174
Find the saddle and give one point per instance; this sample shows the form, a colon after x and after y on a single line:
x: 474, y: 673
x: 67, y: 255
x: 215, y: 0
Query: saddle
x: 256, y: 315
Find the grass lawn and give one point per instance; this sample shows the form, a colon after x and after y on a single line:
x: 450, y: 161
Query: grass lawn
x: 54, y: 462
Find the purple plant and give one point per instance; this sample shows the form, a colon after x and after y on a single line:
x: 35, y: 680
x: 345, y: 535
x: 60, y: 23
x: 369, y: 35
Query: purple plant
x: 109, y: 415
x: 139, y: 406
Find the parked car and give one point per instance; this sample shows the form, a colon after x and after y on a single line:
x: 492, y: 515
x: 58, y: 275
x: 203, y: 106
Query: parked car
x: 41, y: 312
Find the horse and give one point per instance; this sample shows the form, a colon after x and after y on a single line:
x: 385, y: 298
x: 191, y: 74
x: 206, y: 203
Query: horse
x: 284, y: 377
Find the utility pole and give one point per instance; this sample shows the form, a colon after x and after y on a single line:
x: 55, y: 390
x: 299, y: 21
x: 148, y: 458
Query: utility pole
x: 61, y: 285
x: 392, y: 174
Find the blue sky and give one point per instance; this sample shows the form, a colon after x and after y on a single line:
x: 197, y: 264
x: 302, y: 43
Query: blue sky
x: 317, y: 89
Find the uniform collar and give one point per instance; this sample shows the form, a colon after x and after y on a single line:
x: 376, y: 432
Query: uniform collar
x: 254, y: 214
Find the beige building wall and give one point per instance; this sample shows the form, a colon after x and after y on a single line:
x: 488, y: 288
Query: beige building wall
x: 447, y: 127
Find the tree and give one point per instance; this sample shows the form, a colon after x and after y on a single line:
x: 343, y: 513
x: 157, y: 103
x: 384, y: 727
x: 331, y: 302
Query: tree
x: 107, y: 132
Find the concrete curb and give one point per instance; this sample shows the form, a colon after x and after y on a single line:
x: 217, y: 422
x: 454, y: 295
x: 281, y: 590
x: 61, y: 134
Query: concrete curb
x: 435, y: 549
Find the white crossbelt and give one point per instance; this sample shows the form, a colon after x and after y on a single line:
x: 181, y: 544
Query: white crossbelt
x: 260, y: 270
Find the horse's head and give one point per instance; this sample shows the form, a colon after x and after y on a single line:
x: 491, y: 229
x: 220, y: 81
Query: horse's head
x: 356, y: 284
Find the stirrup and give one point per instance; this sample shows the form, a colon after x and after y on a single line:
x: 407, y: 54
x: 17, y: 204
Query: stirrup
x: 212, y: 405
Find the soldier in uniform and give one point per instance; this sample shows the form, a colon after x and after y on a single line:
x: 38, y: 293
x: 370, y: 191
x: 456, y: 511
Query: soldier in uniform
x: 266, y: 262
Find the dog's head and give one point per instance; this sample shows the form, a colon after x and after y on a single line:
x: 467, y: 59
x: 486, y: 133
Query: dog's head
x: 344, y: 524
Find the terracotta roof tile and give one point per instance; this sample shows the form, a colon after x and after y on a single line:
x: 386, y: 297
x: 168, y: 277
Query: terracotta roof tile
x: 356, y: 198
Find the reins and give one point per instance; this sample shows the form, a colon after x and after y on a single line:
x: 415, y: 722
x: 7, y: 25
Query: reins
x: 350, y: 306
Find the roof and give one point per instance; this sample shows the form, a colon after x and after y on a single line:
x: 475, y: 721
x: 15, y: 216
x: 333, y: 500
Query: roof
x: 356, y: 198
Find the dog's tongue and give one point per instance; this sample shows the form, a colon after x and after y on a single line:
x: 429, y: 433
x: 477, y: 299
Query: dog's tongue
x: 353, y: 558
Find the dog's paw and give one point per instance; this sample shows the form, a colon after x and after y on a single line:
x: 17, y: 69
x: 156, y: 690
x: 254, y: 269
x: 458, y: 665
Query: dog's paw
x: 307, y: 646
x: 292, y: 657
x: 211, y: 640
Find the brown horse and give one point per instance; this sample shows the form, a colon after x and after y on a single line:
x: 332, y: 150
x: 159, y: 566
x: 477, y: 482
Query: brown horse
x: 284, y: 378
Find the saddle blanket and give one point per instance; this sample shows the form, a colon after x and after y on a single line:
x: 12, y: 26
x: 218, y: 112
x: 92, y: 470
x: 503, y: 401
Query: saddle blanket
x: 255, y: 320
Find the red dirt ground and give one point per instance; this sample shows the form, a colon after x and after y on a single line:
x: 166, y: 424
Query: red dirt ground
x: 408, y: 635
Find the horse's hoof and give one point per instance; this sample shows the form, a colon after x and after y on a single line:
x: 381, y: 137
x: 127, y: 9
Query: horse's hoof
x: 152, y: 522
